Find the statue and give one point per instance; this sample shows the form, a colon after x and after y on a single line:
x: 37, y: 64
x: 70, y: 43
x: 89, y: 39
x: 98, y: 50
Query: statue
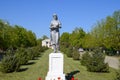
x: 54, y: 33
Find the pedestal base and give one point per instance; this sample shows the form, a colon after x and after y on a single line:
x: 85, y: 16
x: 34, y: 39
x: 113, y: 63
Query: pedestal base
x: 55, y: 67
x: 55, y: 77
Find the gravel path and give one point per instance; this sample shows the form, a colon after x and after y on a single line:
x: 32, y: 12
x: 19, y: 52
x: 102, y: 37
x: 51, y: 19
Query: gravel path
x: 112, y: 61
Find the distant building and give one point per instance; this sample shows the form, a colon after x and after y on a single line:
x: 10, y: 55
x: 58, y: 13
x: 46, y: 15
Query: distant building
x: 46, y: 43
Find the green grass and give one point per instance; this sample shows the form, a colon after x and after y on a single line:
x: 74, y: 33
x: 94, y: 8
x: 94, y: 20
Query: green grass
x: 71, y: 65
x: 40, y: 68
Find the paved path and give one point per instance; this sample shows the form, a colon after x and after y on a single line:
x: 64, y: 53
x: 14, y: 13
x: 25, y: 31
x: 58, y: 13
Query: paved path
x: 112, y: 61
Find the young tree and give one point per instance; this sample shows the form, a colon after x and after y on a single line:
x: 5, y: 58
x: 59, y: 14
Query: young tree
x: 95, y: 61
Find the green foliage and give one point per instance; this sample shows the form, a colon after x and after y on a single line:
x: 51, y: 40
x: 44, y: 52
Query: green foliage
x: 15, y: 36
x: 24, y: 38
x: 42, y: 49
x: 76, y: 37
x: 117, y: 75
x: 22, y: 56
x: 34, y: 52
x: 30, y: 53
x: 71, y: 66
x: 95, y: 61
x: 14, y: 59
x: 85, y: 59
x: 69, y: 52
x: 39, y: 42
x: 76, y: 55
x: 18, y: 45
x: 105, y: 34
x: 68, y: 41
x: 9, y: 64
x: 64, y: 41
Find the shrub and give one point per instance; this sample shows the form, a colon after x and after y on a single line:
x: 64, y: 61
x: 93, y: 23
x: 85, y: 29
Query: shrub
x: 76, y: 55
x: 30, y: 53
x: 118, y: 73
x: 35, y: 52
x: 22, y: 55
x: 85, y: 59
x: 42, y: 49
x: 63, y: 49
x: 9, y: 63
x: 13, y: 59
x: 95, y: 61
x: 69, y: 52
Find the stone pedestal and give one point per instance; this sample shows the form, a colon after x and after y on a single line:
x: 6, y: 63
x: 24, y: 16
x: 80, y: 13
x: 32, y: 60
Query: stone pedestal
x: 55, y: 67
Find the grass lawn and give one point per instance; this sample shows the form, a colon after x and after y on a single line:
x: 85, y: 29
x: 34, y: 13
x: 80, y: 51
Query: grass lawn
x: 39, y: 68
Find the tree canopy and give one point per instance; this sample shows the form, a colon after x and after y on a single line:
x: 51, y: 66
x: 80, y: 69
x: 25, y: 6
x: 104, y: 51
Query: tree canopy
x: 105, y: 34
x: 15, y: 36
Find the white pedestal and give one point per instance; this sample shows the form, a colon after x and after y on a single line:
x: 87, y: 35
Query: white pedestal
x: 55, y: 67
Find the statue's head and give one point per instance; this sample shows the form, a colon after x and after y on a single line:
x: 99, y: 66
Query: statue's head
x: 55, y: 17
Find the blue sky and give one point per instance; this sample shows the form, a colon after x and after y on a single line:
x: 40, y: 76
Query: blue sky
x: 36, y: 15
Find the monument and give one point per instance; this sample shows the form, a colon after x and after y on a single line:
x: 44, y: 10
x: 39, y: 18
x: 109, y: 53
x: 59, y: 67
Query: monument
x: 54, y: 33
x: 55, y: 58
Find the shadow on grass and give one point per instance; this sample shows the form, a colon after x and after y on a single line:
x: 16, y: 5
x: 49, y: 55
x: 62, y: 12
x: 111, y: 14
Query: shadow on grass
x: 30, y: 63
x: 70, y: 75
x: 37, y: 58
x: 23, y: 69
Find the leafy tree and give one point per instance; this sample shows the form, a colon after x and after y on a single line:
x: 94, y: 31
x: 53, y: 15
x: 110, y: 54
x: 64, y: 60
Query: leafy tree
x: 105, y: 34
x: 15, y: 36
x: 76, y: 37
x: 64, y: 42
x: 89, y: 41
x: 70, y: 41
x: 31, y: 39
x: 116, y: 16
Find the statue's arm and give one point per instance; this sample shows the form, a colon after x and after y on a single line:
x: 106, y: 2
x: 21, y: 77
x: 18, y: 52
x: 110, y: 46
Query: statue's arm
x: 51, y: 25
